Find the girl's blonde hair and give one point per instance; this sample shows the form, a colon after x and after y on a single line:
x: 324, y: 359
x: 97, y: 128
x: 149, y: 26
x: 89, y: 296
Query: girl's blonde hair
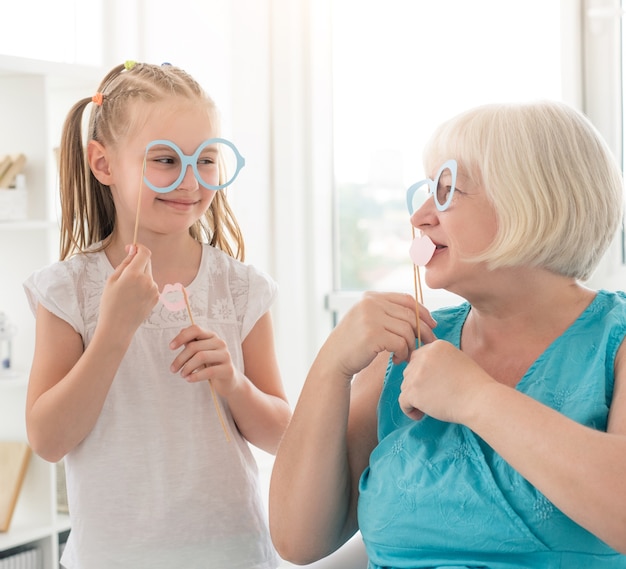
x: 554, y: 184
x: 87, y: 208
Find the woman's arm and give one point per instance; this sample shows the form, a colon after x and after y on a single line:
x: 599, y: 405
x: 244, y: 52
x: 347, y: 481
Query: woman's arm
x: 314, y: 486
x: 582, y: 471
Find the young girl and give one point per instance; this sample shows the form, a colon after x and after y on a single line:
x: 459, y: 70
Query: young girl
x: 152, y: 405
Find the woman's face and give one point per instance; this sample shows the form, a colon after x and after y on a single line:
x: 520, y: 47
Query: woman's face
x: 467, y: 227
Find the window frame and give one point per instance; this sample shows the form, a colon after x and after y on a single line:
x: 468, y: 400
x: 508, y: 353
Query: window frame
x: 591, y: 82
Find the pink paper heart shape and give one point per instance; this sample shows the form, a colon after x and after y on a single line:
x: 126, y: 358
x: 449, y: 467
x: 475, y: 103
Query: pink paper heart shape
x: 422, y: 250
x: 173, y: 297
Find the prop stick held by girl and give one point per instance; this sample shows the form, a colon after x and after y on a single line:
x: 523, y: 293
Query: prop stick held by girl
x: 173, y: 305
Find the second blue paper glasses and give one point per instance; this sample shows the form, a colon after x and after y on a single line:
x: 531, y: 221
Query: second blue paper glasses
x: 441, y: 190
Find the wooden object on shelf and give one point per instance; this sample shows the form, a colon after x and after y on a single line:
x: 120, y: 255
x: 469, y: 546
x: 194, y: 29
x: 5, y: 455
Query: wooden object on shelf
x: 14, y: 458
x: 16, y: 166
x: 5, y: 164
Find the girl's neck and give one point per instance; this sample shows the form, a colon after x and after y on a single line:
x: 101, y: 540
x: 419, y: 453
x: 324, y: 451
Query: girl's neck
x: 174, y: 259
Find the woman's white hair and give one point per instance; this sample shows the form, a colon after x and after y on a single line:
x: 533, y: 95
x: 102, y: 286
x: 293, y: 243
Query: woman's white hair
x: 554, y: 184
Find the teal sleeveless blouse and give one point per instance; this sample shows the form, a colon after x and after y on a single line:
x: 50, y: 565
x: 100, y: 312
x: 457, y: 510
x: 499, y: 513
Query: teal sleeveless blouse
x: 435, y: 495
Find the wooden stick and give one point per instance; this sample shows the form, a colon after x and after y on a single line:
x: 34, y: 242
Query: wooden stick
x: 143, y: 173
x: 417, y: 285
x: 215, y: 402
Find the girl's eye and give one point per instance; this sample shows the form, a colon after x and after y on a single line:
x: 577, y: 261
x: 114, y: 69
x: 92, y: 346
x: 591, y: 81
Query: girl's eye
x: 162, y: 159
x: 207, y: 159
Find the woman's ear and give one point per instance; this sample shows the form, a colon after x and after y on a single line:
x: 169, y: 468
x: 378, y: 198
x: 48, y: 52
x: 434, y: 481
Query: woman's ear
x: 98, y: 159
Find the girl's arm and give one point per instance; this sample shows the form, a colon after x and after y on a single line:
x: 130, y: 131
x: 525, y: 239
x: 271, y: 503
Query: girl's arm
x: 259, y: 404
x: 256, y: 398
x: 314, y: 485
x: 68, y: 383
x: 582, y: 471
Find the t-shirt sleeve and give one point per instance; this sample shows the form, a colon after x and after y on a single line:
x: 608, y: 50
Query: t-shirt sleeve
x: 262, y: 291
x: 55, y: 289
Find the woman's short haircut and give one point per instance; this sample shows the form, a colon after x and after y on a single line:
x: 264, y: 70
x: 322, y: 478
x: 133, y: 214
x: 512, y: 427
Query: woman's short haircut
x: 553, y: 181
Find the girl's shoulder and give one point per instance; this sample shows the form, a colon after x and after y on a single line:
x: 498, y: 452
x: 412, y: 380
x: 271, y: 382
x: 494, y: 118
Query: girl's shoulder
x: 218, y: 263
x: 93, y: 264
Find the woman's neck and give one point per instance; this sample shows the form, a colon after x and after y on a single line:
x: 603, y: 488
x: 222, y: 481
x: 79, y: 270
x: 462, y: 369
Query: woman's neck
x: 511, y: 323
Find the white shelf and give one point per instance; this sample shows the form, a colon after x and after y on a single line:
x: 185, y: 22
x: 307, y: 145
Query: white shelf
x: 57, y: 71
x: 23, y: 534
x: 27, y: 225
x: 35, y: 97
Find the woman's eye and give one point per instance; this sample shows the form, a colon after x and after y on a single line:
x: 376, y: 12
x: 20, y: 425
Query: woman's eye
x: 443, y: 192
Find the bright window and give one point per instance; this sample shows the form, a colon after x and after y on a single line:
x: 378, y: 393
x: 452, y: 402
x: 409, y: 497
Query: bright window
x: 404, y: 68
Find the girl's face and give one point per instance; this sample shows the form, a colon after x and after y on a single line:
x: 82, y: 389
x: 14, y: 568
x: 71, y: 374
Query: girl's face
x: 467, y: 227
x: 185, y: 123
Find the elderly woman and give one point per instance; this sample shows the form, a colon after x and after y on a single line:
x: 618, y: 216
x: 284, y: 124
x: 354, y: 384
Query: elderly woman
x: 500, y: 442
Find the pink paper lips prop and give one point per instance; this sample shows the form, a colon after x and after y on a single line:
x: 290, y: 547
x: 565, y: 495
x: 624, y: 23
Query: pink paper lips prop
x: 422, y: 250
x: 173, y: 297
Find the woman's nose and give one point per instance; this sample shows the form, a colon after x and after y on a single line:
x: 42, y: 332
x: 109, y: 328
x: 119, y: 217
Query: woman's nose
x: 426, y: 214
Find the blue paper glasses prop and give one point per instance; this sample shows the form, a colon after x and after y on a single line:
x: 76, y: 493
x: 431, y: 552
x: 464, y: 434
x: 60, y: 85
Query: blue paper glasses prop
x: 443, y: 192
x: 215, y: 164
x: 422, y: 248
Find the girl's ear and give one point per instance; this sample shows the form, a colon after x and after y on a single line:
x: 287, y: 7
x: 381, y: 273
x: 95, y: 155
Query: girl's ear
x: 98, y: 159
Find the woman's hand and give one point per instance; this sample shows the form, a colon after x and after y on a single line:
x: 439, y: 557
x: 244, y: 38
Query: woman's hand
x: 442, y: 382
x: 378, y: 322
x: 204, y: 356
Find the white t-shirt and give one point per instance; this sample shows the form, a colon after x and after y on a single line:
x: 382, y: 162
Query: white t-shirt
x: 156, y: 484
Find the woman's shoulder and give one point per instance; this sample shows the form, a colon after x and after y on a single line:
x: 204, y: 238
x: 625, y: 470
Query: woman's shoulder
x: 450, y: 320
x: 607, y: 312
x: 610, y: 300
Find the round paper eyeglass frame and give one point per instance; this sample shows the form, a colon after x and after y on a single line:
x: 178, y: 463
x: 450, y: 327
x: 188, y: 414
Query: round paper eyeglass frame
x: 191, y: 160
x: 432, y: 187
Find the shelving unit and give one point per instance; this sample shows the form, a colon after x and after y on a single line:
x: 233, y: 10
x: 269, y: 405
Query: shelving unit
x: 35, y: 97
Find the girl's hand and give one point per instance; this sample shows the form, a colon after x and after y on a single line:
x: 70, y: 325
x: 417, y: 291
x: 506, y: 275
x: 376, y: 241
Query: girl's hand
x: 205, y: 356
x: 130, y: 293
x: 441, y: 381
x: 378, y: 322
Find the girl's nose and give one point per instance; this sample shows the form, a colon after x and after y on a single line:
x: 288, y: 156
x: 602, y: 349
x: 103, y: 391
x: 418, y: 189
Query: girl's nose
x: 189, y: 181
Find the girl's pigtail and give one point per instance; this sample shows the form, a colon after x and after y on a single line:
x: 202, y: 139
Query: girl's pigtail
x: 73, y: 173
x: 87, y: 209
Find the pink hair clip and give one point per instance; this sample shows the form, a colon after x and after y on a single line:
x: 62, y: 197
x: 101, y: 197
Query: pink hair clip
x: 97, y: 99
